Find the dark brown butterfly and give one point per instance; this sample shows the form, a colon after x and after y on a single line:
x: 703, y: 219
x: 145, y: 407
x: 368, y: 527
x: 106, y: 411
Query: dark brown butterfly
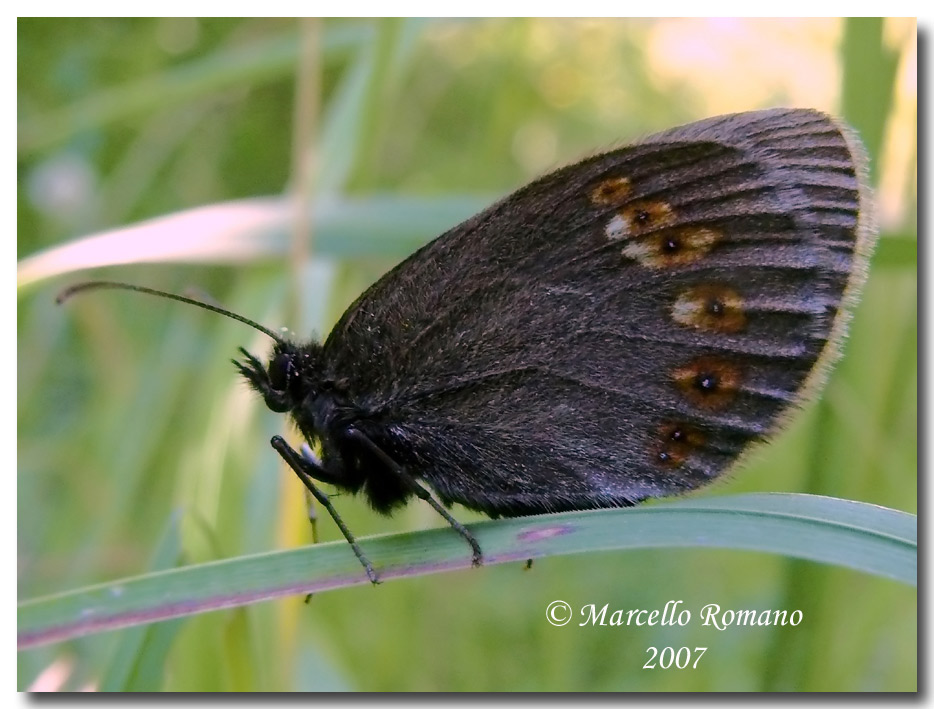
x: 620, y: 329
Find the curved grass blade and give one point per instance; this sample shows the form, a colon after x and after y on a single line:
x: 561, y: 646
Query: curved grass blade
x: 257, y: 228
x: 865, y: 537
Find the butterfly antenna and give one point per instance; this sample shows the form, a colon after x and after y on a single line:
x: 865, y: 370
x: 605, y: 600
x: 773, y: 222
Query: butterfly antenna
x: 98, y: 285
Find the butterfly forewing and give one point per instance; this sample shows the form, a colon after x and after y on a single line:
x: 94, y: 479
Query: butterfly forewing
x: 620, y: 329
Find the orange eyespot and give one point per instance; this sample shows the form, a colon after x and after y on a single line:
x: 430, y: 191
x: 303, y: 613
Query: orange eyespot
x: 676, y: 442
x: 678, y: 246
x: 611, y: 191
x: 710, y: 307
x: 709, y: 382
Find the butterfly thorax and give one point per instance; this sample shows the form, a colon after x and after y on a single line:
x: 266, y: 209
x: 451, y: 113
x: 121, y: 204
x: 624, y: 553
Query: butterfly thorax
x: 296, y: 381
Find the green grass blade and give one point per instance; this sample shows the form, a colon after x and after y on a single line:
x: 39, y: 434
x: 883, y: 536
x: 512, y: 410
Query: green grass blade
x: 138, y: 659
x: 857, y: 535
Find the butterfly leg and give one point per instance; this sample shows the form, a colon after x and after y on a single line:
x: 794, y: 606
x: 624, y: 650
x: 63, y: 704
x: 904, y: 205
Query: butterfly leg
x: 314, y: 461
x: 419, y: 491
x: 305, y: 470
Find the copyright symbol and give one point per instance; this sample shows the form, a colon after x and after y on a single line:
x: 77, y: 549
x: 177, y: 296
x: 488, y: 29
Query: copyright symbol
x: 558, y: 613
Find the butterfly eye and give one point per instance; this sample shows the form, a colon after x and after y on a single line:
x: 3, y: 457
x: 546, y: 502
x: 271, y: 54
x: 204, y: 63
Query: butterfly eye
x: 279, y: 370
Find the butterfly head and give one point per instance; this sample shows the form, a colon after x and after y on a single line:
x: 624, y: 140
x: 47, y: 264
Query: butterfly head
x: 291, y: 376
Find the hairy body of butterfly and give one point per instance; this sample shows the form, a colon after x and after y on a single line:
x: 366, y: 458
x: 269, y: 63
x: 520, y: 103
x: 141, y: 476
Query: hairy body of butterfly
x: 620, y: 329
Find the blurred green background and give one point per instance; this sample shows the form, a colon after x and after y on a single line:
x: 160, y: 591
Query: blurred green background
x: 134, y: 434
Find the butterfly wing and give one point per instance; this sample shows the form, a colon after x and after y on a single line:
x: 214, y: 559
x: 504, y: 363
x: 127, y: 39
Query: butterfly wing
x: 622, y: 328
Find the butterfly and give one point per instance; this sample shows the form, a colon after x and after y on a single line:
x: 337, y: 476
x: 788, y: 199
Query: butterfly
x: 623, y: 328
